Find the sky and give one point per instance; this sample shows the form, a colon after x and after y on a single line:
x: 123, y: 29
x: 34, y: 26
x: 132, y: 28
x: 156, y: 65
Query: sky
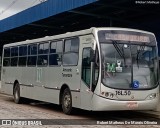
x: 11, y: 7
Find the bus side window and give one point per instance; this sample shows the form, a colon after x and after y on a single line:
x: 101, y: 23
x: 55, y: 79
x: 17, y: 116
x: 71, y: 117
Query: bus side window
x: 43, y: 54
x: 22, y: 55
x: 71, y: 50
x: 14, y: 56
x: 55, y: 56
x: 86, y: 66
x: 6, y: 62
x: 32, y: 55
x: 6, y: 58
x: 7, y: 52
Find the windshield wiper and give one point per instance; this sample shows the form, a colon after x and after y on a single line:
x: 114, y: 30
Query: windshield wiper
x: 120, y: 52
x: 138, y: 52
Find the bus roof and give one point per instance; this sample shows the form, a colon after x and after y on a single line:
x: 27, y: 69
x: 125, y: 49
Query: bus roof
x: 73, y: 34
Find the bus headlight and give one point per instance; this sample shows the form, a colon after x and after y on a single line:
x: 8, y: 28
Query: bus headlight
x: 151, y: 96
x: 106, y: 94
x: 109, y: 95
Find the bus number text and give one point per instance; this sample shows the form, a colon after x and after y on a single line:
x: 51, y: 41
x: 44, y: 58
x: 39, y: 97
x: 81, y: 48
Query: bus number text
x: 123, y: 93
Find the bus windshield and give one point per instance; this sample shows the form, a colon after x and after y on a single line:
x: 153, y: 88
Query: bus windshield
x: 129, y: 60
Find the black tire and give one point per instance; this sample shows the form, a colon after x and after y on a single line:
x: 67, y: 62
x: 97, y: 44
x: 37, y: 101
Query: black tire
x: 16, y: 94
x: 67, y: 101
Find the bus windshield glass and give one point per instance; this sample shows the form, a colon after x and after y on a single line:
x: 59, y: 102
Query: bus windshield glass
x: 129, y: 59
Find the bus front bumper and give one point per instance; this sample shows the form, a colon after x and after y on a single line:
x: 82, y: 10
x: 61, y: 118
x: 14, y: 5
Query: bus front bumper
x: 103, y: 104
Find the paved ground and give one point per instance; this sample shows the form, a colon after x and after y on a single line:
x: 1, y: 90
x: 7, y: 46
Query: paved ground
x: 40, y: 110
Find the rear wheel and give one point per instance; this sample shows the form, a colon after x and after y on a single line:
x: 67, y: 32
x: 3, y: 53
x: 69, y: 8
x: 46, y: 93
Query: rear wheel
x: 67, y: 101
x: 16, y: 94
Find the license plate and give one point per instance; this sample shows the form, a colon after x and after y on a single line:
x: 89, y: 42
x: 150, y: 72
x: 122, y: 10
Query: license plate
x: 132, y: 105
x: 123, y: 92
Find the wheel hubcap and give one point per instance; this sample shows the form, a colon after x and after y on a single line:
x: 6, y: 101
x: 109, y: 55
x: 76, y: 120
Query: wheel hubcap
x: 67, y: 101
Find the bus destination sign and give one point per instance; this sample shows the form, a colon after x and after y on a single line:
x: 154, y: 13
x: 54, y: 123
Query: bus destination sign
x: 125, y: 37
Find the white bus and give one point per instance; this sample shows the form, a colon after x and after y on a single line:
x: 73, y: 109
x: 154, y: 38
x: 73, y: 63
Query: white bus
x: 98, y: 69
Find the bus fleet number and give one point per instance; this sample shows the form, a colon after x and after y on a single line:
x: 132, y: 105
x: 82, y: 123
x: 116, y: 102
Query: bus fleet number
x: 123, y: 93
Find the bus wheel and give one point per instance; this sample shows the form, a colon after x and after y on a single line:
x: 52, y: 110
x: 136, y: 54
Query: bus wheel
x: 16, y: 94
x: 67, y: 101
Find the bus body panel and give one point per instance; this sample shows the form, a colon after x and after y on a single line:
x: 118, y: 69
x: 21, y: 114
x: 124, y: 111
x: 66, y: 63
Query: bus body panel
x: 10, y: 74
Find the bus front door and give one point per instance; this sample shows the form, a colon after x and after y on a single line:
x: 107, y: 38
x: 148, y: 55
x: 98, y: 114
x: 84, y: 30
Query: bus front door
x: 86, y: 93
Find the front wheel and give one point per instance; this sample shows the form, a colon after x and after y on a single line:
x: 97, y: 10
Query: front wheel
x: 67, y: 101
x: 16, y: 94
